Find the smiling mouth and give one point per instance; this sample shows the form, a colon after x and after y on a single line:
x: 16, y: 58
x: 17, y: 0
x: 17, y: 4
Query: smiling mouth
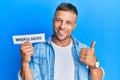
x: 61, y: 32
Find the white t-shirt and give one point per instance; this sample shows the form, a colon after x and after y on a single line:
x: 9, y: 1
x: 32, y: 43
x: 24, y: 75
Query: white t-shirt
x: 64, y: 65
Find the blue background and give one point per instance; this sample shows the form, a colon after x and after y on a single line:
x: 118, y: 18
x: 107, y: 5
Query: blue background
x: 98, y: 20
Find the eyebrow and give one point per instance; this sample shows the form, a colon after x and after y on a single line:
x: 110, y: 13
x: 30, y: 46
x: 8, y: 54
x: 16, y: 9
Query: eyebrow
x: 66, y: 20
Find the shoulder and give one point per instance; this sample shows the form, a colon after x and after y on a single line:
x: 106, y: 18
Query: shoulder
x: 79, y: 44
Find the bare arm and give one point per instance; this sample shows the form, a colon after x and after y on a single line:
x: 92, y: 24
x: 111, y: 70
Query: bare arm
x: 26, y: 73
x: 96, y: 73
x: 26, y: 52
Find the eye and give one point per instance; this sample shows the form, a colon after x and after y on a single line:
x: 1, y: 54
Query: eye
x: 58, y: 20
x: 69, y: 23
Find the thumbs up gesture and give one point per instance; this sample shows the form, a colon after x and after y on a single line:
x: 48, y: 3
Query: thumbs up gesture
x: 87, y: 55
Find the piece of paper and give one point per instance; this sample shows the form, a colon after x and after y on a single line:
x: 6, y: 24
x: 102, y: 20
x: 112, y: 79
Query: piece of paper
x: 33, y: 38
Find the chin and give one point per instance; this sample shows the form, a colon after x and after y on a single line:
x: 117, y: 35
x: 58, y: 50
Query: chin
x: 61, y: 38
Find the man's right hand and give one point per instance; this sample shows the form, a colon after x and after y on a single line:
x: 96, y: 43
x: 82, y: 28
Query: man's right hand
x: 27, y: 51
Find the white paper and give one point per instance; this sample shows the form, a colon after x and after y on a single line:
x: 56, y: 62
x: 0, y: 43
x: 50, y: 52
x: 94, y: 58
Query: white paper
x: 33, y: 38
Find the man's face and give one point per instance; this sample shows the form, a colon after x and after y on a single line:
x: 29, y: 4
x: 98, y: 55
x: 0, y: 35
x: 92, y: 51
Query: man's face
x: 64, y: 22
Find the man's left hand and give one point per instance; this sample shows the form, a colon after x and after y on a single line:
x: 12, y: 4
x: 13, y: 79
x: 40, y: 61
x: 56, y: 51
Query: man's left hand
x: 87, y: 55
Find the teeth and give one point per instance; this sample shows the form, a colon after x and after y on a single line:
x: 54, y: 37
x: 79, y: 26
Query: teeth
x: 61, y: 32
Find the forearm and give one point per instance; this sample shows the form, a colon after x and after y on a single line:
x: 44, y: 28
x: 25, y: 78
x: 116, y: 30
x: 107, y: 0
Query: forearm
x: 26, y: 73
x: 96, y: 73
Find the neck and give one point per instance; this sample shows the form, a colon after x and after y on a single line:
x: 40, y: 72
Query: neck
x: 62, y: 43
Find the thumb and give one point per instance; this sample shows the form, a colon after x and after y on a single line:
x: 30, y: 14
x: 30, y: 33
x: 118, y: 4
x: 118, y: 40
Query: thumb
x: 93, y: 44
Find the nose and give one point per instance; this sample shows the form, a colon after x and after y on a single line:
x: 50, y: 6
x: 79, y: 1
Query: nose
x: 62, y: 26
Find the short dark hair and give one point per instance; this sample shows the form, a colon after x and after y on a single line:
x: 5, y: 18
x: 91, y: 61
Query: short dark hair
x: 67, y: 7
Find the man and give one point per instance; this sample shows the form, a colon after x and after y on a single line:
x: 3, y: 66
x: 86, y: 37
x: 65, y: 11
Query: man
x: 61, y: 57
